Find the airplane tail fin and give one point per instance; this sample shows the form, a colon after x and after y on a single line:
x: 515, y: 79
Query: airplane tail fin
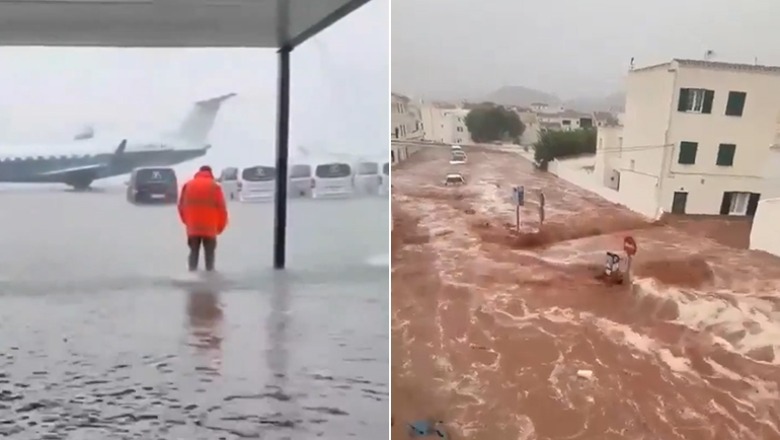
x: 200, y: 120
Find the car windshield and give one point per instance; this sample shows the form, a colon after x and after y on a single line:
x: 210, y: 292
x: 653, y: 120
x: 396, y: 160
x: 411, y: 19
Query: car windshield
x: 386, y: 169
x: 259, y: 174
x: 155, y: 175
x: 368, y: 168
x: 300, y: 171
x: 333, y: 170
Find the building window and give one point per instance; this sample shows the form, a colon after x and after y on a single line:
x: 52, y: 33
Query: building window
x: 566, y: 122
x: 459, y: 129
x: 736, y: 103
x: 696, y: 101
x: 687, y: 153
x: 726, y: 155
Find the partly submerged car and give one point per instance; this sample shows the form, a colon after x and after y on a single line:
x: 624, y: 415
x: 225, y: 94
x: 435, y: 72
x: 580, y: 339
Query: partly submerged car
x: 454, y: 179
x: 457, y: 157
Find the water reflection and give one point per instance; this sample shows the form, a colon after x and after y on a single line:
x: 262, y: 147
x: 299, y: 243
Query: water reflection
x: 205, y: 316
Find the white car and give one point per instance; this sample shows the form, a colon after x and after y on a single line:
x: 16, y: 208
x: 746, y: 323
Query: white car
x: 258, y: 184
x: 231, y: 186
x: 333, y: 180
x: 367, y: 179
x: 301, y: 181
x: 458, y: 157
x: 454, y: 179
x: 385, y: 189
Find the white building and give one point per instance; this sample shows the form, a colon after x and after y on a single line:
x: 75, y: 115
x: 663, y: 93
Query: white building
x: 695, y: 137
x: 445, y: 123
x: 566, y: 120
x: 406, y: 121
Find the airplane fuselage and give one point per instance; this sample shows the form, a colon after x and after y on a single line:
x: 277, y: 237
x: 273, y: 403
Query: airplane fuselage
x: 87, y: 167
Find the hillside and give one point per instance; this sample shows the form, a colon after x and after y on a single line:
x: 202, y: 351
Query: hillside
x: 520, y: 96
x: 524, y: 97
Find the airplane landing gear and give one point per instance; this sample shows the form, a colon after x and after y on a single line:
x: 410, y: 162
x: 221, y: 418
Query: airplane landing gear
x: 80, y: 184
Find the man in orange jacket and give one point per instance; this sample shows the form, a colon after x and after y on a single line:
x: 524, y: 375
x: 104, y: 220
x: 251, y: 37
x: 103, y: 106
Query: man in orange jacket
x: 202, y: 210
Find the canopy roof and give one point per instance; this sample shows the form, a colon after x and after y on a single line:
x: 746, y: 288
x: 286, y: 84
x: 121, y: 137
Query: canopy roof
x: 167, y: 23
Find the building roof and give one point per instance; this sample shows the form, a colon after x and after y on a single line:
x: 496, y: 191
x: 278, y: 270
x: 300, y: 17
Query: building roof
x: 168, y: 23
x: 568, y: 114
x: 719, y: 65
x: 400, y: 97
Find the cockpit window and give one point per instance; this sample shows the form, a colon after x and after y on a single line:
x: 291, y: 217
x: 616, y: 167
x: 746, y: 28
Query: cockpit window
x: 333, y: 170
x: 259, y: 174
x: 368, y: 168
x: 155, y: 175
x: 300, y: 171
x: 386, y: 169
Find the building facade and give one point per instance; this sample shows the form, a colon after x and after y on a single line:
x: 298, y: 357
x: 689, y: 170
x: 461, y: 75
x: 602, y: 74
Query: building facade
x: 445, y: 123
x: 695, y: 136
x: 405, y: 117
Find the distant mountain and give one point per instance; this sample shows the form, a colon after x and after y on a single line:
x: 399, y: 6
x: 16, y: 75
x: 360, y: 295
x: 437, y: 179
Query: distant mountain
x: 607, y: 103
x: 524, y: 97
x: 520, y: 96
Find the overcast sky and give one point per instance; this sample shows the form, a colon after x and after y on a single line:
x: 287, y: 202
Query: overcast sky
x: 568, y: 47
x: 340, y: 100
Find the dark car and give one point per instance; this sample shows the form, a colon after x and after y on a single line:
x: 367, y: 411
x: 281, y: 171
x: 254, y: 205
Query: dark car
x: 153, y: 186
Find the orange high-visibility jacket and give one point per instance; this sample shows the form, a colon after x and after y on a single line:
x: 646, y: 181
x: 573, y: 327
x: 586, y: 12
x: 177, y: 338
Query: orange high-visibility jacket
x: 202, y: 206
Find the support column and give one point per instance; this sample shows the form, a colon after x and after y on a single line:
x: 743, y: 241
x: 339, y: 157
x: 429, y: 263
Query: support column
x: 282, y: 159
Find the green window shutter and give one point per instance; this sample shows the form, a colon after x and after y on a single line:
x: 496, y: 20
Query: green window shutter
x: 726, y: 155
x: 736, y: 103
x: 687, y: 154
x: 682, y: 104
x: 709, y: 95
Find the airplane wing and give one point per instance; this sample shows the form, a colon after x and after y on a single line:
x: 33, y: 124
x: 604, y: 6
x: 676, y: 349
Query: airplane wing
x: 90, y: 169
x: 73, y: 170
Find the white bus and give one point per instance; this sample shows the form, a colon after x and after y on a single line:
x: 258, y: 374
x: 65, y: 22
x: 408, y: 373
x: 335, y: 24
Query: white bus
x: 367, y: 179
x: 229, y: 182
x: 385, y: 189
x: 332, y: 180
x: 258, y: 184
x: 301, y: 182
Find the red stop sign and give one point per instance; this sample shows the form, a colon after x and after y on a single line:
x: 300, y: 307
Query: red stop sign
x: 629, y: 245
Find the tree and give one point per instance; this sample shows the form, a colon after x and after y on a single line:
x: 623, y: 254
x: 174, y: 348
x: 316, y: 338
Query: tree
x: 561, y: 144
x: 488, y: 122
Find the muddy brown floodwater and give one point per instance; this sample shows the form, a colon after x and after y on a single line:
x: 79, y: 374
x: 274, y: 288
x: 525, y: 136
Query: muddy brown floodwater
x: 490, y: 326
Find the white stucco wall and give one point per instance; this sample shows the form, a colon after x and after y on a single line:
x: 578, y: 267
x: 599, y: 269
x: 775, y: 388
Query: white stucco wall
x: 609, y: 139
x: 763, y: 235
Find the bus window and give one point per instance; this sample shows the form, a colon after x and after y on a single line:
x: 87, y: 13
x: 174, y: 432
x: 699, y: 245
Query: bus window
x: 300, y: 171
x: 259, y: 174
x: 367, y: 168
x: 333, y: 170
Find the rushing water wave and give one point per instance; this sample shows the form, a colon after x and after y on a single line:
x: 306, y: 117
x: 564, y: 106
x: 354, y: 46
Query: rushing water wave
x: 509, y: 334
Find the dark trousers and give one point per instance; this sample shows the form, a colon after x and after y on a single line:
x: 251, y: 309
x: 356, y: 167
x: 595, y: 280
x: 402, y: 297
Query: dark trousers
x: 209, y: 245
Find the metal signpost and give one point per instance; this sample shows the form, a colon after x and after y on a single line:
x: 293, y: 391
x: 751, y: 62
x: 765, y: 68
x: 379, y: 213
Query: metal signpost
x: 518, y: 197
x: 630, y: 247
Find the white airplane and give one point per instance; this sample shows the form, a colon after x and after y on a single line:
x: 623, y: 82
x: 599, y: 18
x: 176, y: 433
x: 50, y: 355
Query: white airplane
x: 88, y: 157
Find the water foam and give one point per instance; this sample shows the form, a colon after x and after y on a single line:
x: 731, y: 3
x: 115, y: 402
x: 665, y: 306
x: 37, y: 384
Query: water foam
x: 739, y: 323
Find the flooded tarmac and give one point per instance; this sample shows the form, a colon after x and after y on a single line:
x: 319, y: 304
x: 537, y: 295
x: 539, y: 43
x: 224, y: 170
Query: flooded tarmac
x: 103, y: 333
x: 505, y: 334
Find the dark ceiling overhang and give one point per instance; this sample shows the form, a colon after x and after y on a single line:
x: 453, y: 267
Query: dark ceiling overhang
x: 168, y: 23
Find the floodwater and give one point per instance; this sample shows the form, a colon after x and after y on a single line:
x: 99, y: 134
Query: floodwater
x: 493, y: 329
x: 103, y: 333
